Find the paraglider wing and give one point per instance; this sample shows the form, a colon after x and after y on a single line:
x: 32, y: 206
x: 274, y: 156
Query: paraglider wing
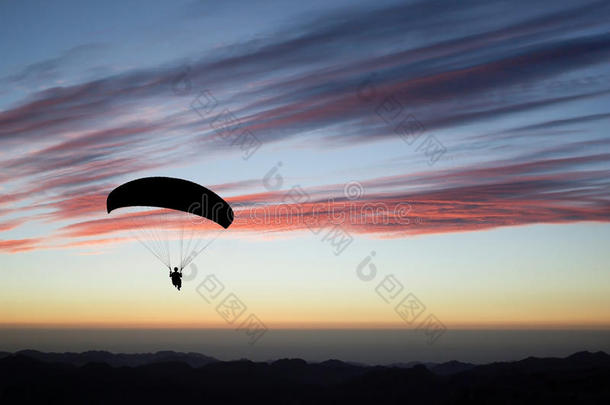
x: 171, y: 193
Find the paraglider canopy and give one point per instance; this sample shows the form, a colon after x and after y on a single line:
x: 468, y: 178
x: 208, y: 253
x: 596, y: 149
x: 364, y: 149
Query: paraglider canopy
x: 175, y: 194
x: 163, y: 210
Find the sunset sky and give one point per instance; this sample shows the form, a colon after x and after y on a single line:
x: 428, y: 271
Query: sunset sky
x: 479, y: 127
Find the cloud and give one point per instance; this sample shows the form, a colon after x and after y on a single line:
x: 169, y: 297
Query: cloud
x: 18, y: 245
x: 8, y: 225
x: 548, y: 191
x: 64, y: 148
x: 321, y: 94
x: 46, y: 71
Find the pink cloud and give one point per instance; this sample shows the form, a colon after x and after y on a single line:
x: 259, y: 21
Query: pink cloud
x: 18, y: 245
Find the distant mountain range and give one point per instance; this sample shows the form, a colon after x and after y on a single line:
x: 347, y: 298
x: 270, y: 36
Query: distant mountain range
x: 119, y: 359
x: 198, y: 360
x: 103, y: 377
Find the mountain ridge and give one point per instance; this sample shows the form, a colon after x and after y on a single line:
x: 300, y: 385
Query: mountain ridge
x: 579, y: 378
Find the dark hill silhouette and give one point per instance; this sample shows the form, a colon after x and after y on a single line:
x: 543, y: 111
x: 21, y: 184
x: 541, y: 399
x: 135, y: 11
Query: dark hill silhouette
x: 36, y: 377
x: 121, y: 359
x: 450, y: 367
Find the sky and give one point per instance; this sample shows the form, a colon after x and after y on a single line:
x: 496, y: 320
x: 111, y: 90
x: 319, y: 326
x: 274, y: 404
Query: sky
x: 452, y: 156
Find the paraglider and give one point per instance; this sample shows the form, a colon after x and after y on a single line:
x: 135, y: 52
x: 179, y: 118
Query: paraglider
x: 176, y: 277
x: 164, y: 211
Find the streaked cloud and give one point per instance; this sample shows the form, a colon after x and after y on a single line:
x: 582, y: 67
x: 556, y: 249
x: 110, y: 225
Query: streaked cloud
x: 67, y: 146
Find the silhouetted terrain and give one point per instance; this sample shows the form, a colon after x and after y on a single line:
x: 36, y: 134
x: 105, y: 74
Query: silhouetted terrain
x: 120, y: 359
x: 31, y: 376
